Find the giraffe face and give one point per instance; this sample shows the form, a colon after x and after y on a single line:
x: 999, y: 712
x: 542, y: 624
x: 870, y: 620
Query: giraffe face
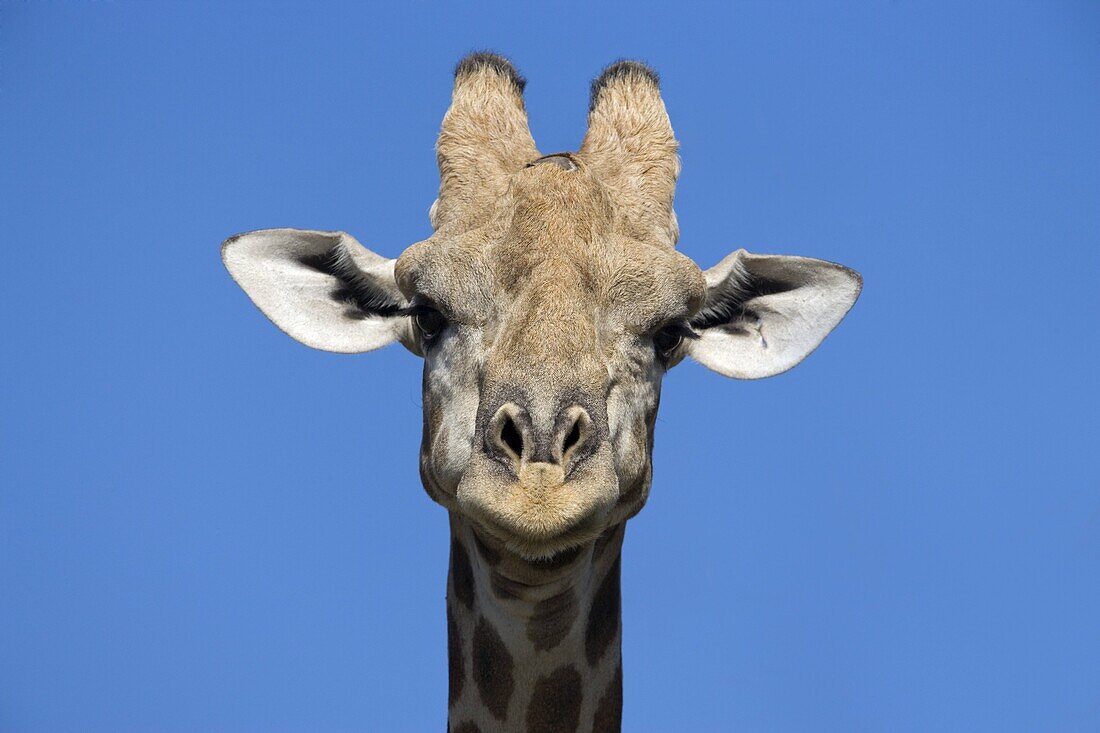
x: 545, y: 335
x: 548, y: 305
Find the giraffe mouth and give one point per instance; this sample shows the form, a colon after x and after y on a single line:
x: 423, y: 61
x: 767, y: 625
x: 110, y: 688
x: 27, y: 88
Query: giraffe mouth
x: 539, y: 518
x: 535, y: 545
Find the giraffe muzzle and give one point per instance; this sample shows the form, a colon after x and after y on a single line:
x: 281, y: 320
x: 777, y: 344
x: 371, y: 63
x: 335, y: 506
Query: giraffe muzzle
x: 538, y: 454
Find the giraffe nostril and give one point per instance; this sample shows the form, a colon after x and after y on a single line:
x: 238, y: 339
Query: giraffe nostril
x: 572, y: 438
x: 512, y: 440
x: 510, y: 436
x: 577, y: 441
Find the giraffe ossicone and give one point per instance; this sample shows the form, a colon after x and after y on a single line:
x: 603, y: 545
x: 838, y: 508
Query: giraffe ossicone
x: 548, y: 304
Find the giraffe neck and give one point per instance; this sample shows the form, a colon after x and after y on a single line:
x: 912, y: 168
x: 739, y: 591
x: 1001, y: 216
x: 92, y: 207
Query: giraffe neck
x: 533, y: 646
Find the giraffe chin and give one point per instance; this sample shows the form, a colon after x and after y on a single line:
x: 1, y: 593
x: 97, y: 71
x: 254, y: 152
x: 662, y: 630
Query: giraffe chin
x: 539, y: 513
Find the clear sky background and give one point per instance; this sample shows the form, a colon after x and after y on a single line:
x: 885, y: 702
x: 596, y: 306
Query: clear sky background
x: 205, y: 526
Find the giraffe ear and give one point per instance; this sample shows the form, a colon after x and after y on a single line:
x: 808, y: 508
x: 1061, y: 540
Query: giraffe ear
x: 323, y: 289
x: 764, y: 314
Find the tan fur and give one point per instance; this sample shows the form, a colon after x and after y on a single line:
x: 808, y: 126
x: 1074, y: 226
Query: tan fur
x: 551, y: 290
x: 541, y: 301
x: 631, y: 144
x: 484, y: 138
x: 553, y: 280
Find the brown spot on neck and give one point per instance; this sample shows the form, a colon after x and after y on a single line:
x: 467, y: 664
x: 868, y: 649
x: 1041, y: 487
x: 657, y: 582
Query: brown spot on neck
x: 456, y: 668
x: 462, y: 575
x: 556, y: 702
x: 527, y: 624
x: 492, y: 669
x: 603, y: 619
x: 468, y: 727
x: 609, y: 712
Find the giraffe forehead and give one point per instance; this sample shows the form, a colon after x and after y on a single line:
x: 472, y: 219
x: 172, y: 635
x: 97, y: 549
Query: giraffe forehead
x: 551, y: 245
x: 560, y: 234
x: 542, y: 277
x: 576, y: 283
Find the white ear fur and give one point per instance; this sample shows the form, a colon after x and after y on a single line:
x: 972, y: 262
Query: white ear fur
x: 323, y: 289
x: 766, y: 313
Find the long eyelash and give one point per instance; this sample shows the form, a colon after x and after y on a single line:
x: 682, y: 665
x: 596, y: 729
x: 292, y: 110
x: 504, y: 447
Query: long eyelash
x: 355, y: 288
x: 726, y: 303
x: 415, y: 309
x: 682, y: 328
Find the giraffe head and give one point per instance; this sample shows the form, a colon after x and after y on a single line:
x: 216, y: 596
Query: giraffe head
x: 547, y: 305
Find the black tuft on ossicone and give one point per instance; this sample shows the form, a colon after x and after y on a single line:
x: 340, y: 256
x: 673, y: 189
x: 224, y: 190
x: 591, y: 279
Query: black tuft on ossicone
x: 620, y: 69
x: 496, y: 62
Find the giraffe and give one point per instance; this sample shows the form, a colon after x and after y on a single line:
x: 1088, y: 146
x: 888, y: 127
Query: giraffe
x: 547, y: 305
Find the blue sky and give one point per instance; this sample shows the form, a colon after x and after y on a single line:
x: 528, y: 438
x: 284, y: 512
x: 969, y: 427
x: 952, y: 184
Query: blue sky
x: 206, y: 526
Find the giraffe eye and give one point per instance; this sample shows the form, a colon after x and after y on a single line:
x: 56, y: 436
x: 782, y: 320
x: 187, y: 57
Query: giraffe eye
x: 669, y: 338
x: 667, y: 342
x: 430, y: 322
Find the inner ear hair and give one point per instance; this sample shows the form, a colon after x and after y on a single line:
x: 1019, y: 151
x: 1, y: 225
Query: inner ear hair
x: 354, y: 287
x: 727, y: 303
